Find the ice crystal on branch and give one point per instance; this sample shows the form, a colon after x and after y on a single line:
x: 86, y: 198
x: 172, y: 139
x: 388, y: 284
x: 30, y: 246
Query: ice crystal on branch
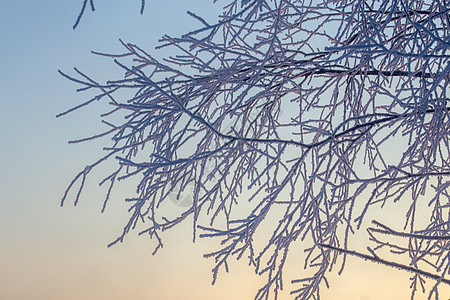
x: 304, y: 115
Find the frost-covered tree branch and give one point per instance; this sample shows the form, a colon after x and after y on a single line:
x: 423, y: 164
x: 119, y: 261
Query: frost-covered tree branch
x: 307, y: 115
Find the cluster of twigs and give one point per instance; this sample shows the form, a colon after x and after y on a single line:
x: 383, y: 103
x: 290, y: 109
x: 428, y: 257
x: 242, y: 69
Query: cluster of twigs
x: 320, y: 110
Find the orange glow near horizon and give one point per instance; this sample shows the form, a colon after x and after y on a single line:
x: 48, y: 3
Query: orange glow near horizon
x: 71, y: 261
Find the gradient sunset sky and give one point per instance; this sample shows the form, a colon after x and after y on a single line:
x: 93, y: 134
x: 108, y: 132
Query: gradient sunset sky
x: 52, y: 252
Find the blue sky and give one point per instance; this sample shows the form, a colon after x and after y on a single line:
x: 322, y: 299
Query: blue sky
x: 49, y: 252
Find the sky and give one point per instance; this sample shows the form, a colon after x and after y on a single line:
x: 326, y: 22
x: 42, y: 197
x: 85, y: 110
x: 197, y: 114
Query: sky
x: 53, y: 252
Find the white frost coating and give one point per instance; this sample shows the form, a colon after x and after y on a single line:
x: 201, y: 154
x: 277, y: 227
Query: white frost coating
x: 326, y: 110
